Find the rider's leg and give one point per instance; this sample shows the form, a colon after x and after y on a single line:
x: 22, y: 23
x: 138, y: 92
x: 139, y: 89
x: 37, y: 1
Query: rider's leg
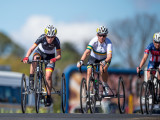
x: 104, y: 74
x: 158, y: 75
x: 49, y: 80
x: 32, y: 70
x: 89, y: 70
x: 48, y: 85
x: 104, y: 77
x: 49, y: 70
x: 148, y: 75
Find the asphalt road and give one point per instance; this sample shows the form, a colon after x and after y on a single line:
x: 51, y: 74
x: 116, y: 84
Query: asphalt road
x: 61, y: 116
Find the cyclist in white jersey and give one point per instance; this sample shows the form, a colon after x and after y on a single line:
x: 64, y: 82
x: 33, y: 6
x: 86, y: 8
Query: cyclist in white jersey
x: 46, y: 46
x: 100, y: 51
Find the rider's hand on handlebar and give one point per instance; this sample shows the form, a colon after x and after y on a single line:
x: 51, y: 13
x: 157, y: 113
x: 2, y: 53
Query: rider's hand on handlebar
x: 138, y: 69
x: 53, y: 60
x: 103, y: 63
x: 79, y: 63
x: 25, y: 60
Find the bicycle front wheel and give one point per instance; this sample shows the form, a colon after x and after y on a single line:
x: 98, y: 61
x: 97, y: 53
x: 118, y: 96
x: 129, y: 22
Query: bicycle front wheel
x: 24, y: 93
x: 83, y: 96
x: 142, y: 97
x: 158, y: 91
x: 91, y: 95
x: 149, y: 97
x: 63, y: 93
x: 121, y: 95
x: 37, y: 92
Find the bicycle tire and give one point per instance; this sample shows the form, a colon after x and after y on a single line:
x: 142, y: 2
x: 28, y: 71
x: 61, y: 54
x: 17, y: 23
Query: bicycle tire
x: 37, y: 92
x: 91, y: 98
x: 63, y: 93
x: 83, y: 96
x: 121, y: 102
x: 149, y: 97
x: 23, y: 93
x: 142, y: 97
x: 157, y: 95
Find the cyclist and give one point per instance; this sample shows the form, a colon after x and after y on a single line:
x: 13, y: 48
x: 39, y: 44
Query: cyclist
x: 100, y: 51
x: 154, y: 49
x: 46, y: 45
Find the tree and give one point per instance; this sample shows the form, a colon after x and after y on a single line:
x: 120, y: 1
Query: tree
x: 131, y: 37
x: 8, y: 47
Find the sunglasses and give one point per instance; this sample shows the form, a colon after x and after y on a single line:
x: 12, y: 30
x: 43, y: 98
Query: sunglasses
x: 102, y: 35
x: 50, y: 37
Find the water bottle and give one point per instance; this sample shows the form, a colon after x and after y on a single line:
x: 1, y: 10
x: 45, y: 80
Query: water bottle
x: 96, y: 82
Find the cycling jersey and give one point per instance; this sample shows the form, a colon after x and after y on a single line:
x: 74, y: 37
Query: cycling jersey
x: 154, y: 60
x: 45, y: 47
x: 47, y: 51
x: 100, y: 50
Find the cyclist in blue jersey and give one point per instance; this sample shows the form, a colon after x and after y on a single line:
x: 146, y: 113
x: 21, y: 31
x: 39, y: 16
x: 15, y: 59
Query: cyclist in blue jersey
x: 154, y: 49
x: 46, y: 46
x: 99, y: 50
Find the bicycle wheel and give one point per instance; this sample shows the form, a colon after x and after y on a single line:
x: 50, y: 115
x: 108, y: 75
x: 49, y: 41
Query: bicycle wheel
x: 121, y: 95
x: 157, y: 95
x: 142, y: 97
x: 37, y: 92
x: 83, y: 96
x: 63, y: 93
x: 149, y: 97
x: 24, y: 94
x: 91, y: 95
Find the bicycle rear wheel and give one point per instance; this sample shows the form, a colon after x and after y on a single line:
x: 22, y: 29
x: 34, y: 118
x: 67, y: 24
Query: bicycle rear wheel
x: 149, y: 97
x: 24, y: 94
x: 142, y: 97
x: 83, y: 96
x: 91, y: 95
x: 63, y: 93
x: 121, y: 95
x: 37, y: 92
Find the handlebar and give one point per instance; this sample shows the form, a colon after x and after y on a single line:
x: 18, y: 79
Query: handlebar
x: 151, y: 70
x: 41, y: 61
x: 94, y: 64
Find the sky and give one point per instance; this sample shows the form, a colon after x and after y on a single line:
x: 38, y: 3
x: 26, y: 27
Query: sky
x: 76, y: 20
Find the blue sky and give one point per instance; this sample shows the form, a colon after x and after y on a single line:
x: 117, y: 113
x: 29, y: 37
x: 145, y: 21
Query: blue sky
x: 24, y: 20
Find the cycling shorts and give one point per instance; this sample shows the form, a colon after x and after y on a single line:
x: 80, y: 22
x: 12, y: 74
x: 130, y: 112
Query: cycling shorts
x: 153, y: 65
x: 93, y: 60
x: 44, y: 56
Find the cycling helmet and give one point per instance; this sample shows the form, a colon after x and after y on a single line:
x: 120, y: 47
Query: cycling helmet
x: 156, y: 37
x: 102, y: 30
x: 50, y: 31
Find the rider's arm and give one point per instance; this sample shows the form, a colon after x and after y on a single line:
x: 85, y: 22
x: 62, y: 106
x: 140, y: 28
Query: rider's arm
x: 143, y: 60
x: 31, y: 50
x: 58, y: 57
x: 85, y: 54
x: 109, y: 57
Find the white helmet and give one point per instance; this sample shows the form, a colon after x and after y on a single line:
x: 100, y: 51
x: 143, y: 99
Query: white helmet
x: 50, y: 31
x: 102, y: 30
x: 156, y: 37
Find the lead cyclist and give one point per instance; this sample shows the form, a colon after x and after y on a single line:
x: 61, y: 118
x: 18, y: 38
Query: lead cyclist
x: 46, y: 45
x: 99, y: 50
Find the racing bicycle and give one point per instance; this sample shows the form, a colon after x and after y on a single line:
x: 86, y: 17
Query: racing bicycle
x: 92, y: 94
x: 150, y: 92
x: 40, y: 88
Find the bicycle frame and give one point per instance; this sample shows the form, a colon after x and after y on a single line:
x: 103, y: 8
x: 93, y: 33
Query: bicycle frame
x: 96, y: 87
x: 39, y: 69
